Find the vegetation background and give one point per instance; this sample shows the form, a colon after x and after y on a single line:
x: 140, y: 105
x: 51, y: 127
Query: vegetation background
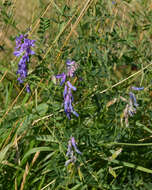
x: 111, y: 41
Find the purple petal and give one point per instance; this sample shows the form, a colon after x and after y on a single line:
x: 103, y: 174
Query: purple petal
x: 22, y: 62
x: 75, y: 113
x: 70, y: 105
x: 20, y: 80
x: 131, y: 112
x: 74, y: 145
x: 63, y: 79
x: 28, y: 88
x: 18, y: 53
x: 69, y: 62
x: 77, y: 151
x: 59, y: 76
x: 22, y: 66
x: 71, y: 86
x: 66, y: 107
x: 67, y: 162
x: 32, y: 52
x: 69, y: 148
x: 137, y: 88
x: 72, y: 160
x: 62, y: 76
x: 68, y: 115
x: 32, y: 43
x: 65, y: 91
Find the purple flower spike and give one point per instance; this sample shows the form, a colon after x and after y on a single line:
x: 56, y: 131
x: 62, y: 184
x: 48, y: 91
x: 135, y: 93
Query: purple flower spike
x: 137, y: 88
x: 23, y: 48
x: 68, y: 99
x: 67, y: 94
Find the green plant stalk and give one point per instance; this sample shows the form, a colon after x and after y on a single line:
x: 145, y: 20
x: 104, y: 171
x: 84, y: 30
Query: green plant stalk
x: 130, y: 165
x: 125, y: 144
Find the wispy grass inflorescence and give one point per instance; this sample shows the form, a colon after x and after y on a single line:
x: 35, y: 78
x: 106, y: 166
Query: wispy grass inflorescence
x: 23, y: 50
x: 67, y: 94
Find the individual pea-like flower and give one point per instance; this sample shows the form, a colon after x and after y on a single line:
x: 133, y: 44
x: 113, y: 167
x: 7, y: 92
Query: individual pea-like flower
x: 72, y: 147
x: 71, y: 68
x: 23, y: 46
x: 23, y: 49
x: 68, y: 99
x: 28, y: 88
x: 71, y: 160
x: 131, y: 109
x: 69, y: 148
x: 128, y: 111
x: 137, y: 88
x: 72, y: 144
x: 62, y: 77
x: 133, y: 99
x: 19, y: 41
x: 71, y: 86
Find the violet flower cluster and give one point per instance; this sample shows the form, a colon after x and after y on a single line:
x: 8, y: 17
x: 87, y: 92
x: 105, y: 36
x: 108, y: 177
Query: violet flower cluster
x: 72, y: 147
x: 67, y: 94
x: 131, y: 106
x: 23, y: 50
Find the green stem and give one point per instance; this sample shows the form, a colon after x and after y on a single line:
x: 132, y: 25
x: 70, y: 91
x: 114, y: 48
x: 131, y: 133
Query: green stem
x: 125, y: 144
x: 130, y: 165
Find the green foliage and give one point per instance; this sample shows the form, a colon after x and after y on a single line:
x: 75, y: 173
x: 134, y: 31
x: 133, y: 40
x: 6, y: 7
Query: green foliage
x: 44, y: 26
x: 111, y: 43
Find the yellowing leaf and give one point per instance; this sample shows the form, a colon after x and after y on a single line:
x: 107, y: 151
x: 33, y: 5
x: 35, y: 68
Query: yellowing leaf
x: 111, y: 102
x: 53, y: 79
x: 115, y: 154
x: 80, y: 174
x: 112, y: 172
